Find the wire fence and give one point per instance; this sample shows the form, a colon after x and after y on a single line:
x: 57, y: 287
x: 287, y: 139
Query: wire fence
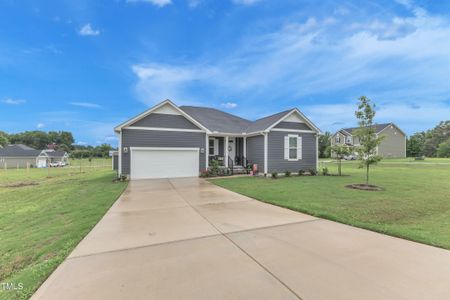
x: 75, y: 166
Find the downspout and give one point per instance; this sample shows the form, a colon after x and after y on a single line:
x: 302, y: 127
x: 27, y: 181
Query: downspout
x: 119, y: 169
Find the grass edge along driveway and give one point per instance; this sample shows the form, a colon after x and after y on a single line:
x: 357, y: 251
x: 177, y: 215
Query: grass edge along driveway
x: 40, y: 225
x: 415, y: 204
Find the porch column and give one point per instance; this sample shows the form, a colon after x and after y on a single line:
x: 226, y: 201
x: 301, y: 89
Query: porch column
x: 225, y: 151
x: 206, y: 151
x: 245, y: 148
x: 265, y: 151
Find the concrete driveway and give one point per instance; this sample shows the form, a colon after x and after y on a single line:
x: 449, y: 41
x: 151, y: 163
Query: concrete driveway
x: 189, y: 239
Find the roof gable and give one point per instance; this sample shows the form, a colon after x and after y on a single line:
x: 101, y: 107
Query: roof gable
x: 264, y: 123
x: 160, y: 108
x: 377, y: 127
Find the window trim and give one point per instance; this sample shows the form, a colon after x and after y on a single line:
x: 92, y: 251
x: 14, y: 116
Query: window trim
x: 292, y: 148
x: 299, y: 140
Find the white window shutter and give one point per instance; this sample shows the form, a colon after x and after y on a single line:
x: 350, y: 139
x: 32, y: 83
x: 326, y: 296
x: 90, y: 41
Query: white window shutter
x: 286, y: 147
x: 299, y: 147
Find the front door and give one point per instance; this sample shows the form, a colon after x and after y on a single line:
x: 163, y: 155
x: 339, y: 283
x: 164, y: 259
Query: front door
x: 232, y: 148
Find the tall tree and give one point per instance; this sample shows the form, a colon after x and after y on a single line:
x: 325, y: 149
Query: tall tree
x: 444, y: 149
x: 3, y: 139
x: 368, y: 140
x: 325, y: 145
x: 415, y: 145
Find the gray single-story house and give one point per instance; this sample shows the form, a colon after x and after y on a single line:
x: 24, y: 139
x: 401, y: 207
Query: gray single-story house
x: 171, y: 141
x: 22, y: 156
x: 392, y: 145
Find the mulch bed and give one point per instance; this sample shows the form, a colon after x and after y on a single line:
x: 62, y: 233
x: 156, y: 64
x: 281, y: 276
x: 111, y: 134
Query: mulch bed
x: 19, y: 184
x: 365, y: 187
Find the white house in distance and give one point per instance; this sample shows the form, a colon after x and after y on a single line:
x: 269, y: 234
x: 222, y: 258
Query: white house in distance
x: 22, y: 156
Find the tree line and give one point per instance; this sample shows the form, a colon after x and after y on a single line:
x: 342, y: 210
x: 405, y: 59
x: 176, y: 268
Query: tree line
x: 431, y: 143
x: 59, y: 140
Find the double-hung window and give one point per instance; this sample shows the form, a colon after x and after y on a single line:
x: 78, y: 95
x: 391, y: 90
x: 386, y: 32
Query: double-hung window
x: 292, y: 147
x: 213, y: 147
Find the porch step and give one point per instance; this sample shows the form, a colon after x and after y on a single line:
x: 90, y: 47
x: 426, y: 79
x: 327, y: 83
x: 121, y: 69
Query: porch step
x: 239, y: 170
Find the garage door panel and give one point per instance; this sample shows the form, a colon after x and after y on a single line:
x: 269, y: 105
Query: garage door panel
x: 164, y: 163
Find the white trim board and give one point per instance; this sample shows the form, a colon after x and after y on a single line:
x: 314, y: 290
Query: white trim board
x: 293, y: 130
x: 163, y: 129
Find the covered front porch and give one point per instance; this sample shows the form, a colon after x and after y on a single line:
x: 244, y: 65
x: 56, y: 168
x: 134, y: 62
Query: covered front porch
x: 229, y: 151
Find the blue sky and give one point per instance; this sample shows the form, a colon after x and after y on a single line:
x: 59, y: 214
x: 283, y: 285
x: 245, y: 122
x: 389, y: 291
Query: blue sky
x: 86, y: 66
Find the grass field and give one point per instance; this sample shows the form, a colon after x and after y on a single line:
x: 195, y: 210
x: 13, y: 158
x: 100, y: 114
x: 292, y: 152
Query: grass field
x: 414, y: 205
x: 40, y: 224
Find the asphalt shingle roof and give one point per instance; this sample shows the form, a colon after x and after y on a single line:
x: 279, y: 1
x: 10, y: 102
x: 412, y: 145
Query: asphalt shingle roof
x: 264, y: 123
x: 216, y: 120
x: 377, y: 127
x: 17, y: 150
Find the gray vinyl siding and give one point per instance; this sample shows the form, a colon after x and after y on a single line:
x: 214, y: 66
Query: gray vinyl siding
x: 293, y: 125
x: 154, y: 138
x: 115, y: 162
x: 255, y: 151
x: 165, y: 121
x: 393, y: 144
x: 14, y: 162
x: 276, y: 161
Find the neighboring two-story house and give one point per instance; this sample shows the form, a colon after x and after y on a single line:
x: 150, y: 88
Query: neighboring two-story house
x: 392, y: 145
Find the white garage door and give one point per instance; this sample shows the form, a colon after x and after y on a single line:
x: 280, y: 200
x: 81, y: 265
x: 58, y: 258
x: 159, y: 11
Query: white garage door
x: 163, y: 162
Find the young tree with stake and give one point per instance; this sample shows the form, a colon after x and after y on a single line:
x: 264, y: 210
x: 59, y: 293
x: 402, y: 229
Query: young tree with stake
x: 368, y: 140
x: 340, y: 151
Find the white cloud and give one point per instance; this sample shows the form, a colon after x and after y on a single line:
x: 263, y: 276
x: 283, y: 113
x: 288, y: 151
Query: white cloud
x: 86, y: 104
x: 229, y: 105
x: 11, y: 101
x: 81, y: 143
x: 40, y: 125
x: 245, y: 2
x: 159, y: 82
x: 159, y: 3
x: 388, y: 58
x: 87, y: 30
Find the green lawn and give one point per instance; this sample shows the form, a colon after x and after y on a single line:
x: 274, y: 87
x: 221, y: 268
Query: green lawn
x: 414, y: 205
x: 41, y: 224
